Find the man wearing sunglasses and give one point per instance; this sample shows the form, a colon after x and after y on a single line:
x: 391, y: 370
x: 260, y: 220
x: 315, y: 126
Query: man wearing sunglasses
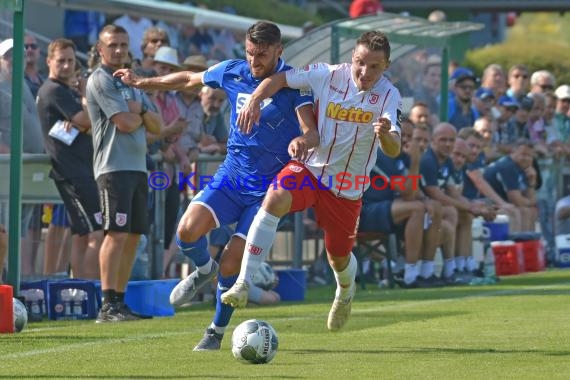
x: 32, y: 74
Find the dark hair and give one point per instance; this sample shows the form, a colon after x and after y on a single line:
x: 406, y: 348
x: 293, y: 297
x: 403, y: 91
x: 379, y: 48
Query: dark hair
x: 112, y: 29
x: 523, y: 141
x: 375, y: 40
x: 60, y: 44
x: 264, y: 33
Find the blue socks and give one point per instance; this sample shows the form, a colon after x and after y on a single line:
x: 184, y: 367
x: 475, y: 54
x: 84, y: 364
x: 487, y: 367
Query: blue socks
x: 196, y: 251
x: 223, y: 312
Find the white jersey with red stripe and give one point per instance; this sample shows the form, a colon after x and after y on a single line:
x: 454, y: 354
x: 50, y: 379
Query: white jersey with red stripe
x: 348, y: 144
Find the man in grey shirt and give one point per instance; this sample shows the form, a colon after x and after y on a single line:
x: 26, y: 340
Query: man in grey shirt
x: 119, y: 117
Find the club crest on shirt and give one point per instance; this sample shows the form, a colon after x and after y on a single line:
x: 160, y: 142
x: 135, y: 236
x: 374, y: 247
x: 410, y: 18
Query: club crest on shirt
x: 98, y: 218
x: 295, y: 168
x: 373, y: 99
x: 121, y: 219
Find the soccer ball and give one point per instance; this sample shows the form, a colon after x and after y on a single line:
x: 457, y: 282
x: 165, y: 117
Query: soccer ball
x: 20, y: 315
x: 254, y: 341
x: 265, y: 277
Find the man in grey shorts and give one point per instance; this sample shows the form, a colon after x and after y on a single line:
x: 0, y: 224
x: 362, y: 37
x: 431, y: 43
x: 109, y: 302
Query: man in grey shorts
x: 120, y: 116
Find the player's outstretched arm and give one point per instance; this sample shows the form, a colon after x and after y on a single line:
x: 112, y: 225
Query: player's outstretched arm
x: 175, y: 81
x: 251, y: 111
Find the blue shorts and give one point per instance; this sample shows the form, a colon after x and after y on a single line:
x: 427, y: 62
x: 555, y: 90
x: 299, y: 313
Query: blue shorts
x: 59, y: 216
x: 229, y: 205
x: 376, y: 217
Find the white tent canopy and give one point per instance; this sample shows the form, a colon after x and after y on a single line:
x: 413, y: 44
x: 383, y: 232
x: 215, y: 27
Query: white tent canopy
x: 168, y: 11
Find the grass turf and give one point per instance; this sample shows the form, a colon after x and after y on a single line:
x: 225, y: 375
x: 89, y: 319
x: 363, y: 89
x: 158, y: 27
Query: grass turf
x: 518, y: 328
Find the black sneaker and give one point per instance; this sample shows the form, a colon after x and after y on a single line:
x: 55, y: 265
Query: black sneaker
x: 125, y: 309
x: 112, y: 313
x: 431, y: 282
x: 212, y: 341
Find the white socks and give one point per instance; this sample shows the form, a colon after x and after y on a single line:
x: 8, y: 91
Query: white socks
x: 258, y: 243
x: 205, y: 269
x: 472, y: 264
x: 448, y: 268
x: 345, y: 280
x: 460, y: 263
x: 411, y: 272
x: 427, y: 269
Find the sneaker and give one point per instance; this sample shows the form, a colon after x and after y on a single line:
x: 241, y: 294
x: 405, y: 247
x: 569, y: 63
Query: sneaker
x: 339, y: 313
x: 237, y: 295
x: 112, y: 313
x: 125, y: 309
x: 212, y: 341
x: 187, y: 288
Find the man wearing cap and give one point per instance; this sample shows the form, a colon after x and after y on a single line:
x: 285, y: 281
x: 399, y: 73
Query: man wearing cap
x: 462, y: 112
x: 32, y: 133
x: 484, y: 102
x: 258, y: 155
x: 561, y: 118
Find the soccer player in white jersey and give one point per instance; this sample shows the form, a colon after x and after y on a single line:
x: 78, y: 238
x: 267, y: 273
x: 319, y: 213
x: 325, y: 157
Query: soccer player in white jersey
x: 357, y: 109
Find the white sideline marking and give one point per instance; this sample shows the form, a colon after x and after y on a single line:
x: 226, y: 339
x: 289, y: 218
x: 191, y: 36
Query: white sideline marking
x: 18, y: 355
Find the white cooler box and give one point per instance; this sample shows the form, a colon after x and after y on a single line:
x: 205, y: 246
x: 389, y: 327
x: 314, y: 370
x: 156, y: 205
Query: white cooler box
x: 563, y: 251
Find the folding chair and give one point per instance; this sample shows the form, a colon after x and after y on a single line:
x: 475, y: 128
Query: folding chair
x: 371, y: 242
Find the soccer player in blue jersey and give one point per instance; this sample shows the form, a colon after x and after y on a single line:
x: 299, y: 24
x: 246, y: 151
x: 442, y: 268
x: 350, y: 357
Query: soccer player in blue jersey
x: 287, y: 129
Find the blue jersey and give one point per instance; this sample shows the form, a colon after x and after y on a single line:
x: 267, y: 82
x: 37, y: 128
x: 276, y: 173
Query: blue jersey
x: 256, y: 157
x: 505, y: 175
x: 469, y: 190
x: 433, y: 173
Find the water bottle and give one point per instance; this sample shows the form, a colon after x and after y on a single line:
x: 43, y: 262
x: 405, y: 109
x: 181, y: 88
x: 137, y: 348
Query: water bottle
x: 78, y: 297
x: 66, y: 298
x: 489, y: 266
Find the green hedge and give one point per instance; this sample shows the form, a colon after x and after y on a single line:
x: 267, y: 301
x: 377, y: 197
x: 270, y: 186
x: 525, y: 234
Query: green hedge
x: 535, y: 55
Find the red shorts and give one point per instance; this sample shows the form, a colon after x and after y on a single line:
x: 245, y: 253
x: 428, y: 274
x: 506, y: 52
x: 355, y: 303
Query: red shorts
x: 338, y: 217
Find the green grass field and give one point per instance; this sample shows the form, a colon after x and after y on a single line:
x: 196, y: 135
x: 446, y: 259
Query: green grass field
x: 517, y: 329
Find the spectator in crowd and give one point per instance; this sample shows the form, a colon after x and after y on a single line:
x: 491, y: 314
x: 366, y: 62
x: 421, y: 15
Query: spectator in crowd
x: 495, y: 79
x: 562, y: 113
x: 475, y: 186
x: 72, y: 160
x: 518, y: 81
x: 398, y: 207
x: 153, y: 39
x: 215, y: 133
x: 429, y: 89
x: 542, y: 81
x: 514, y: 178
x: 119, y: 117
x: 487, y: 128
x: 32, y: 133
x: 360, y: 8
x: 461, y: 111
x: 507, y: 108
x: 420, y: 115
x: 189, y: 104
x: 484, y: 101
x: 32, y: 75
x: 135, y: 27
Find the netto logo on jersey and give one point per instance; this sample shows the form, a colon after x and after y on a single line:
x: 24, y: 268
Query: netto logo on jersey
x: 355, y: 115
x: 242, y: 98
